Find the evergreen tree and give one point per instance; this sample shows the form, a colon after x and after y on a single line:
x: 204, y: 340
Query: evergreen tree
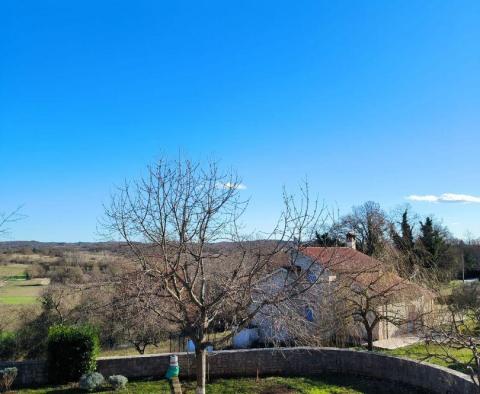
x: 404, y: 241
x: 434, y: 245
x: 405, y: 244
x: 407, y: 233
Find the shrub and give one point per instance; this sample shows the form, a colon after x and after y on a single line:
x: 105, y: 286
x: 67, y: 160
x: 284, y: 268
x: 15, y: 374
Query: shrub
x: 8, y: 346
x: 118, y: 382
x: 7, y: 376
x: 72, y: 352
x: 91, y: 381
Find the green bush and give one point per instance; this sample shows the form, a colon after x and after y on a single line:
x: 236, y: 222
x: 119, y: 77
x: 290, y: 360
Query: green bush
x: 72, y: 351
x: 7, y: 377
x: 118, y: 382
x: 8, y: 346
x: 91, y: 381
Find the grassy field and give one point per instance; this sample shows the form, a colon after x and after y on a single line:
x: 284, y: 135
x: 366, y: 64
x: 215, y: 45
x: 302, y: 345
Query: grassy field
x: 15, y: 289
x: 421, y: 352
x: 12, y: 270
x: 17, y: 293
x: 274, y: 385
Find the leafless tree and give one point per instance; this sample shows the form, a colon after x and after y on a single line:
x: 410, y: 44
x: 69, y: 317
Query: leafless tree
x: 134, y: 322
x: 373, y: 296
x: 194, y: 270
x: 455, y: 330
x: 370, y: 224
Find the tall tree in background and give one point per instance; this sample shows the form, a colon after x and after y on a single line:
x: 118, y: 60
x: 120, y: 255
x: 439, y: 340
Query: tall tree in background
x: 405, y: 244
x: 434, y: 246
x: 370, y: 225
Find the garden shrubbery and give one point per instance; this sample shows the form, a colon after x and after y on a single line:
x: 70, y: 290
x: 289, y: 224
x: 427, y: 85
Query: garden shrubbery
x: 118, y: 382
x: 72, y: 351
x: 91, y: 381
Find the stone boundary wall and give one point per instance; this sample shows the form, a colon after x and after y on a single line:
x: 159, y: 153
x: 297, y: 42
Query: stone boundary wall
x: 301, y: 361
x: 30, y: 373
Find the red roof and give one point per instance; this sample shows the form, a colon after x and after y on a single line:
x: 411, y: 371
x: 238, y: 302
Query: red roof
x: 342, y: 259
x: 362, y: 269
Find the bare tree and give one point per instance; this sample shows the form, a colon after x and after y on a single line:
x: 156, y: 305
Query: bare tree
x: 193, y: 268
x: 454, y: 332
x: 374, y: 296
x: 370, y: 225
x: 136, y: 324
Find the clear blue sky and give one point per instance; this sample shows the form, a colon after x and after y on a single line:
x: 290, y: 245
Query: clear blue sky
x: 372, y: 100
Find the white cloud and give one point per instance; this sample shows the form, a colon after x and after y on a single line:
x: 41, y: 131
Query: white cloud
x: 238, y: 186
x: 445, y: 197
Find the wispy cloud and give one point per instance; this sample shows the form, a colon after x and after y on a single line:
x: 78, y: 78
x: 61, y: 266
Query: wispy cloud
x: 228, y: 185
x: 445, y: 197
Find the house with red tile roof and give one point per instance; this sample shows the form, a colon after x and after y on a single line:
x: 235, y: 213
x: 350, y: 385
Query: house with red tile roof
x: 389, y: 305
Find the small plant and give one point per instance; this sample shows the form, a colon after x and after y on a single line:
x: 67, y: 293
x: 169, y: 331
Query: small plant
x: 91, y: 381
x: 118, y: 382
x: 7, y: 377
x: 72, y: 352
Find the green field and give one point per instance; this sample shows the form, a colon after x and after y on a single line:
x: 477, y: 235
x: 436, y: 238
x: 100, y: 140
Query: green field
x: 15, y: 288
x: 273, y: 385
x: 421, y: 352
x: 17, y: 293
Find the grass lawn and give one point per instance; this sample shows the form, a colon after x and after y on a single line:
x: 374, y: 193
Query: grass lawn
x: 274, y: 385
x: 420, y: 351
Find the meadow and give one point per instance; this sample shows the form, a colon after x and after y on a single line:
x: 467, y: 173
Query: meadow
x: 18, y: 294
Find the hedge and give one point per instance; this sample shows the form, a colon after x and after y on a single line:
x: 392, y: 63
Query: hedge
x: 71, y: 352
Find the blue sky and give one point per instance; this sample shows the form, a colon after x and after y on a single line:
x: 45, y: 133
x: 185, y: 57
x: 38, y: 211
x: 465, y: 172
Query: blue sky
x: 372, y: 100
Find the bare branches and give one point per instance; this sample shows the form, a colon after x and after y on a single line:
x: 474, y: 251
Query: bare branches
x: 454, y: 331
x: 194, y: 268
x: 7, y: 218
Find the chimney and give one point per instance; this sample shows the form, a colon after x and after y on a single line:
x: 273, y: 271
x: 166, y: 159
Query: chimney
x: 351, y: 243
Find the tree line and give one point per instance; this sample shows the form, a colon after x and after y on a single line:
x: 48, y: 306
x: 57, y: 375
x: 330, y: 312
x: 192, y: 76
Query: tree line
x: 418, y: 247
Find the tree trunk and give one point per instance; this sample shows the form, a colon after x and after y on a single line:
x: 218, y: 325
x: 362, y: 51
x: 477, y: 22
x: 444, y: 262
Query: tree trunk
x: 201, y: 368
x: 369, y: 338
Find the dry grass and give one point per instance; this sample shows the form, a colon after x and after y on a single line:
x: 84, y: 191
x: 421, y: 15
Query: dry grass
x: 12, y: 270
x: 21, y: 259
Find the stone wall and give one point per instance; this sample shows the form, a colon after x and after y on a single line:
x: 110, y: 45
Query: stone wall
x: 291, y: 362
x: 30, y: 373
